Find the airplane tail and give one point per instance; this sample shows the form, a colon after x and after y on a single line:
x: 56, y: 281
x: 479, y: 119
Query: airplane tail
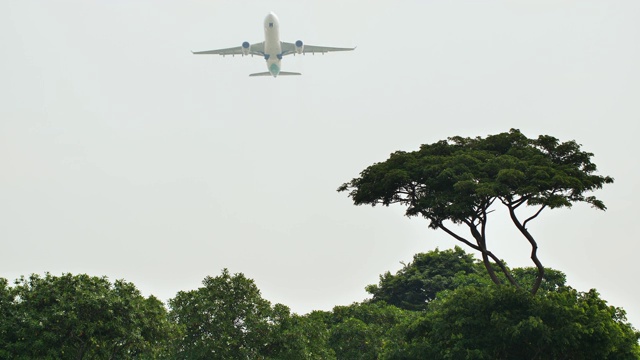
x: 284, y: 73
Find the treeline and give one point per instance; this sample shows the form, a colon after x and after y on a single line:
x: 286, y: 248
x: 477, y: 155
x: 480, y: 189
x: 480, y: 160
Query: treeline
x: 442, y: 305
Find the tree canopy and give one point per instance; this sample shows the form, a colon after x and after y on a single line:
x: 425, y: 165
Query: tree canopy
x: 418, y: 282
x: 474, y: 322
x: 457, y: 181
x: 79, y: 316
x: 227, y: 318
x: 468, y: 319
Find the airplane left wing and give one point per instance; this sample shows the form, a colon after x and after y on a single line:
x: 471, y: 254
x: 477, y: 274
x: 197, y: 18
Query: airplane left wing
x: 290, y: 48
x: 254, y: 49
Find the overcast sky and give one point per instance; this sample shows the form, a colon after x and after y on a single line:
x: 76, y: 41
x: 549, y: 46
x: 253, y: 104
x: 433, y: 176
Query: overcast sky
x: 122, y: 154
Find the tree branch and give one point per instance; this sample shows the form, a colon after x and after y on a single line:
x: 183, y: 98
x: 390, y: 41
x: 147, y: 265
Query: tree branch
x: 524, y: 224
x: 517, y: 203
x: 458, y: 237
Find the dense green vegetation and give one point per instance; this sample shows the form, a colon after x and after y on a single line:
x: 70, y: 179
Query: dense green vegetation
x: 442, y: 305
x: 76, y: 317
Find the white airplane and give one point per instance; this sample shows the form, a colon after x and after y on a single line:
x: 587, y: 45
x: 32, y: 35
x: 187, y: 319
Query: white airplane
x: 272, y: 49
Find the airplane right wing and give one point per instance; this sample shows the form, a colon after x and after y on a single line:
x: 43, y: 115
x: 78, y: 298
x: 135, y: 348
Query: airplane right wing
x: 254, y: 49
x: 290, y: 48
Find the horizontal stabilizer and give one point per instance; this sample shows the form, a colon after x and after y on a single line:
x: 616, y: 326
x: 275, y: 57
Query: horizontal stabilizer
x: 284, y: 73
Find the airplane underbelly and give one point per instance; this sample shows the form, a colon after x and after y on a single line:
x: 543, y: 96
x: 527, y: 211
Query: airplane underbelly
x: 272, y: 46
x: 273, y: 61
x: 272, y: 43
x: 273, y: 50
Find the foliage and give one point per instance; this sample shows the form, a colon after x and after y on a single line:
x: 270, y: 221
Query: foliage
x: 552, y: 280
x: 363, y: 330
x: 75, y: 317
x: 354, y: 339
x: 472, y: 319
x: 459, y: 180
x: 455, y: 313
x: 298, y: 337
x: 225, y: 319
x: 418, y: 282
x: 507, y: 323
x: 7, y: 319
x: 228, y: 319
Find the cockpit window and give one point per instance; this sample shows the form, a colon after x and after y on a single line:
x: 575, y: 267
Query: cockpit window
x: 270, y: 24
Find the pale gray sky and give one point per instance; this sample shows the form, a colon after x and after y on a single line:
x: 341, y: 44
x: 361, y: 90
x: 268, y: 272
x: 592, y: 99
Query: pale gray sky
x: 124, y: 155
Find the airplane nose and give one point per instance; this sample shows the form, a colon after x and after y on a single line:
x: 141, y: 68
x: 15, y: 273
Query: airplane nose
x: 270, y: 19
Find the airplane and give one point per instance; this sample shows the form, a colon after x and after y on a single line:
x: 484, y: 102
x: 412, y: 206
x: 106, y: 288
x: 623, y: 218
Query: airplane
x: 272, y: 49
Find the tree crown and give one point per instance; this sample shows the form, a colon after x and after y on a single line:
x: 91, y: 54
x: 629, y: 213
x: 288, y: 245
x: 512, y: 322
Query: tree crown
x: 459, y: 178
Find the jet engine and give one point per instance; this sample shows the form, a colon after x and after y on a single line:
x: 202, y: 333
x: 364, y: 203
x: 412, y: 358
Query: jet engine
x: 246, y: 48
x: 299, y: 47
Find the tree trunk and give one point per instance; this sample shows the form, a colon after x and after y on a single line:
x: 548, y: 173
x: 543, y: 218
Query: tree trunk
x: 534, y: 249
x: 487, y: 265
x: 482, y: 244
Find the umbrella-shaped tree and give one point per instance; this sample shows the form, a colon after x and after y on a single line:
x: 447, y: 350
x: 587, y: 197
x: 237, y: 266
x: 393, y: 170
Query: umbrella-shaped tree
x: 457, y: 181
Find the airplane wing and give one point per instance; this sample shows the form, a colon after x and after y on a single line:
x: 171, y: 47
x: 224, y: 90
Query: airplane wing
x: 290, y: 48
x: 255, y: 49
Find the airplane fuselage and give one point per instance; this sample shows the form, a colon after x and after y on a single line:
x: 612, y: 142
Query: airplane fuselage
x: 272, y: 45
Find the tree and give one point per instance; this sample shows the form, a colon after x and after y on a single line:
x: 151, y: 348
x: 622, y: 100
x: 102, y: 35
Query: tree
x: 298, y: 337
x: 79, y: 316
x: 225, y: 319
x: 418, y: 282
x: 456, y: 181
x: 353, y: 339
x: 363, y: 330
x: 7, y: 319
x: 469, y: 319
x: 475, y: 322
x: 415, y: 285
